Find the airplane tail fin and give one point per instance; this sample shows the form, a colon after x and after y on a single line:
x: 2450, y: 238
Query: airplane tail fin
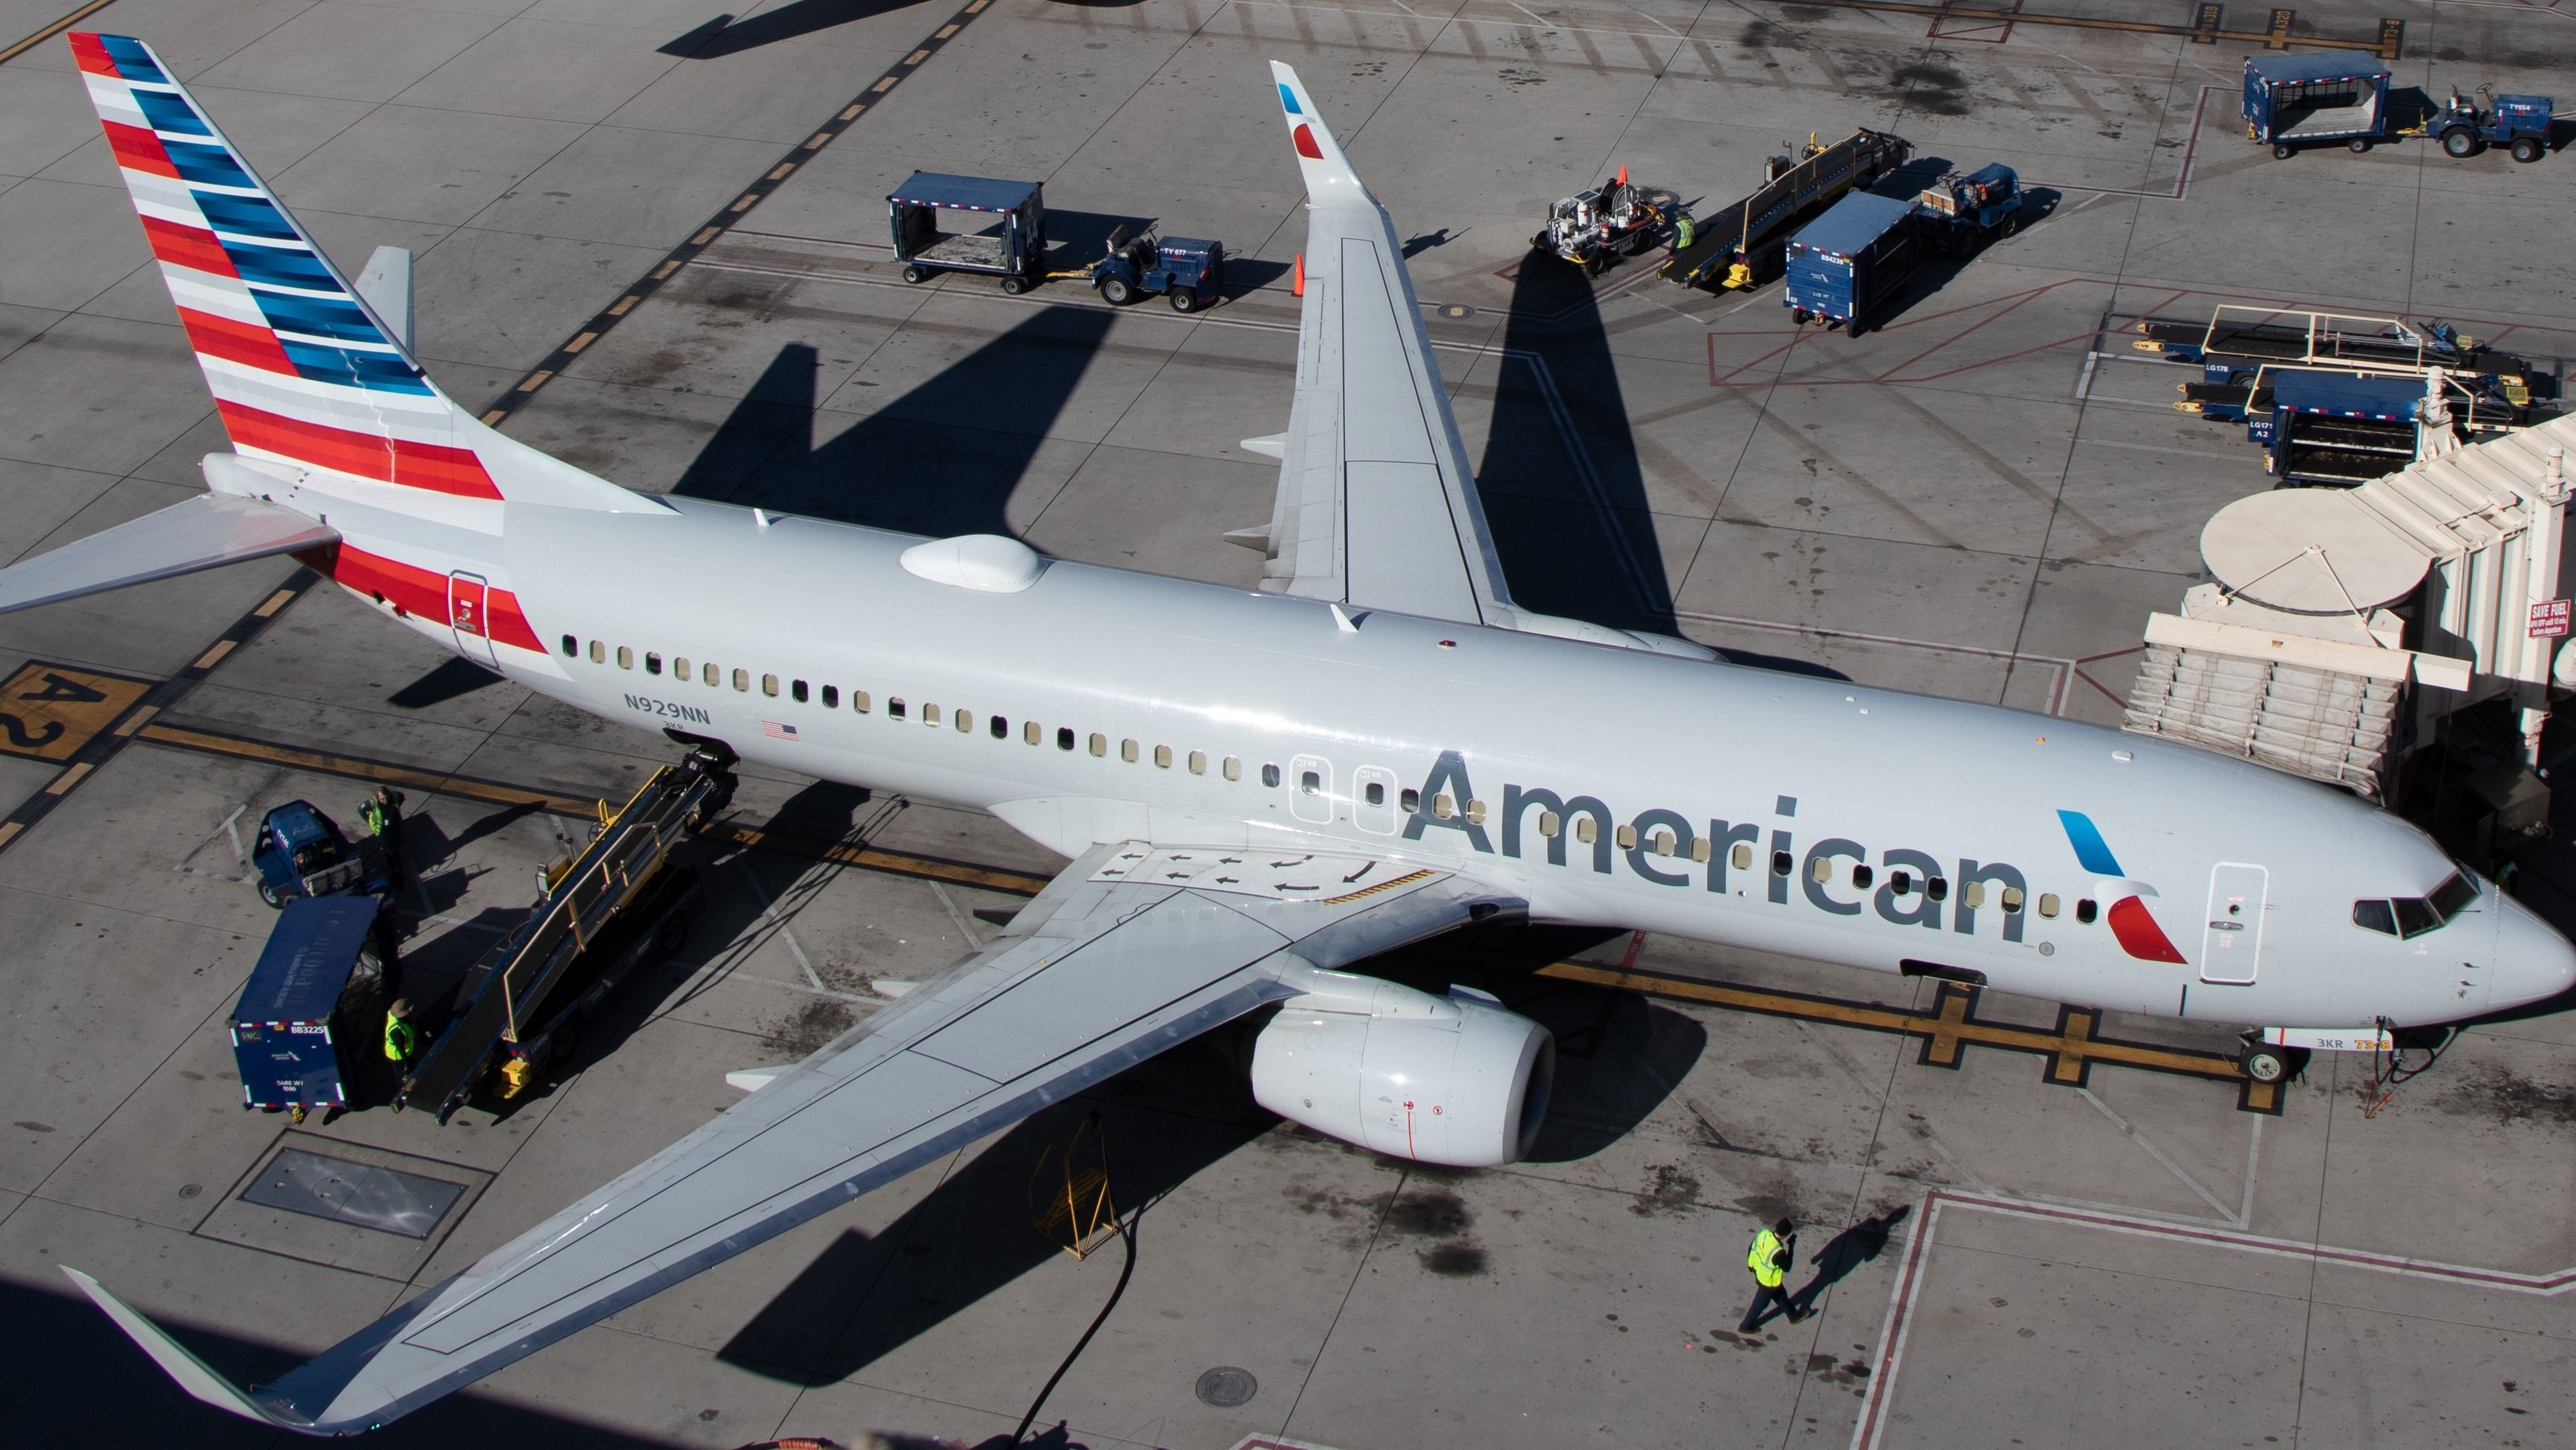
x: 307, y: 374
x: 1329, y: 177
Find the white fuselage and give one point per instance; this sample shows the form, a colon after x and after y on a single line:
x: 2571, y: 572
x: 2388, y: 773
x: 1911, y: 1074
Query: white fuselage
x: 1162, y: 682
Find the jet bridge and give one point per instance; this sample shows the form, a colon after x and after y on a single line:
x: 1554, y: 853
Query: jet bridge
x: 530, y: 989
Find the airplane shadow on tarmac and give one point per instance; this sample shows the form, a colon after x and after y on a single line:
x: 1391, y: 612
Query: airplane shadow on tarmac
x: 943, y: 458
x: 724, y: 35
x: 1164, y: 1121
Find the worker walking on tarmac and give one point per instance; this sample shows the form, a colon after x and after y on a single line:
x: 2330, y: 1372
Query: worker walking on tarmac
x: 1774, y: 1250
x: 402, y: 1040
x: 383, y: 814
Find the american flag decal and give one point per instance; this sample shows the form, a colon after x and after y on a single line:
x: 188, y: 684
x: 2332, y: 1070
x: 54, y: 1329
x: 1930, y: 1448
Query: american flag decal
x: 776, y: 731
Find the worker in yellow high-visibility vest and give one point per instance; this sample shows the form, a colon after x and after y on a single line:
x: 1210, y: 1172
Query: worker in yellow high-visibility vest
x: 1774, y: 1250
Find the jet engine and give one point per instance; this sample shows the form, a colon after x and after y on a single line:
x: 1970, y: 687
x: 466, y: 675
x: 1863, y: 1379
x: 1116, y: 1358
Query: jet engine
x: 1458, y: 1080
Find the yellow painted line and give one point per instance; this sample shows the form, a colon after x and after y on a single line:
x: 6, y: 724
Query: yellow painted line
x: 669, y: 267
x: 275, y: 603
x: 207, y: 660
x: 818, y: 140
x: 704, y: 236
x: 9, y: 831
x: 494, y: 417
x: 583, y: 341
x: 746, y: 201
x: 536, y: 380
x: 852, y: 113
x: 784, y: 167
x: 916, y: 58
x: 48, y: 33
x: 944, y: 32
x: 883, y: 86
x: 69, y: 778
x: 137, y: 721
x: 625, y: 302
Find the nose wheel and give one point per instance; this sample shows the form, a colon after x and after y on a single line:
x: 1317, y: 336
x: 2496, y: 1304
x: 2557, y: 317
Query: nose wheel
x: 2264, y: 1062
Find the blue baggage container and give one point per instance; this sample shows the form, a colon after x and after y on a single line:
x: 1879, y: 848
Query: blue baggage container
x: 2293, y: 100
x: 291, y: 1042
x: 1847, y: 261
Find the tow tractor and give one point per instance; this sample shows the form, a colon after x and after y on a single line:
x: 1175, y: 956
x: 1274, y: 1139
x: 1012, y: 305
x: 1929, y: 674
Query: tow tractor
x: 2518, y: 123
x: 618, y: 906
x: 1962, y: 212
x: 1186, y: 270
x: 301, y: 853
x: 1592, y: 228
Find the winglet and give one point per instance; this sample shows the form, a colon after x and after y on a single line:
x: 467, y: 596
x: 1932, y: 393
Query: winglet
x: 1329, y: 177
x: 192, y: 1373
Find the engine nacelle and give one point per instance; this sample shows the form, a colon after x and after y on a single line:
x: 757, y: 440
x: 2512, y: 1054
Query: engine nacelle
x: 1458, y: 1080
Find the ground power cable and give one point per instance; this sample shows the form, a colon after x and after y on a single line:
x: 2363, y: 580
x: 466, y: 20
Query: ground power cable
x: 1126, y: 1235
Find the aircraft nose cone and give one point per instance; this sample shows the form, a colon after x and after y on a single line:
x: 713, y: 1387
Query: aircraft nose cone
x: 2537, y: 963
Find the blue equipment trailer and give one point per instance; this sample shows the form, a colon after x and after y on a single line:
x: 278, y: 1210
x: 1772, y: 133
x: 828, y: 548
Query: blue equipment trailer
x: 2336, y: 430
x: 1846, y: 262
x: 1009, y: 217
x: 298, y: 1020
x: 1963, y: 211
x: 2293, y: 101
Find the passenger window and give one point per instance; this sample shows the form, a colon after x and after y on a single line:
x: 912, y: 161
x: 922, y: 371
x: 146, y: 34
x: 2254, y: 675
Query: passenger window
x: 796, y: 691
x: 742, y: 680
x: 1063, y: 738
x: 2084, y: 910
x: 859, y: 701
x: 2414, y: 916
x: 894, y: 708
x: 1375, y: 794
x: 1822, y: 869
x: 769, y: 686
x: 713, y: 676
x: 1444, y: 807
x: 652, y: 663
x: 2374, y: 916
x: 1475, y: 813
x: 1031, y: 734
x: 1625, y: 837
x: 1270, y: 775
x: 1662, y: 841
x: 1162, y: 757
x: 2012, y: 898
x: 571, y: 646
x: 831, y: 697
x: 1233, y: 768
x: 1549, y: 823
x: 929, y: 713
x: 1586, y: 829
x: 1311, y: 784
x: 964, y: 720
x: 625, y: 658
x: 1860, y: 876
x: 1742, y: 856
x: 680, y: 668
x: 1099, y: 743
x: 1781, y: 865
x: 2048, y: 904
x: 1699, y: 849
x: 1127, y: 752
x: 1973, y: 894
x: 1937, y: 889
x: 1409, y: 801
x: 598, y: 653
x: 1198, y: 762
x: 999, y: 727
x: 1900, y: 882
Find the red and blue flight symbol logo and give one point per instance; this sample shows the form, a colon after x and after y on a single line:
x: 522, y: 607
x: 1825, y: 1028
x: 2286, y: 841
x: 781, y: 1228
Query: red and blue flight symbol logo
x: 1303, y: 135
x: 2131, y: 923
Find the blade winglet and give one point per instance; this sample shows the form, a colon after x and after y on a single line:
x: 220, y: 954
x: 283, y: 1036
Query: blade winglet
x: 192, y: 1373
x: 1329, y: 177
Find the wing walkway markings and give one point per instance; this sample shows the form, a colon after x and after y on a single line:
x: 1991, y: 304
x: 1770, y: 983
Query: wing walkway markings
x: 1947, y: 1028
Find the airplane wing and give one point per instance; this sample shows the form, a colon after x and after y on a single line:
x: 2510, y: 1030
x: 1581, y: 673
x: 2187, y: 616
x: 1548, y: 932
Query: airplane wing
x: 1376, y: 507
x: 1375, y: 504
x: 1132, y: 949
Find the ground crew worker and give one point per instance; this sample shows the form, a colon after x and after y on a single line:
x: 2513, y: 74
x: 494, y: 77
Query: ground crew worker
x: 402, y: 1040
x: 1774, y: 1250
x: 383, y: 814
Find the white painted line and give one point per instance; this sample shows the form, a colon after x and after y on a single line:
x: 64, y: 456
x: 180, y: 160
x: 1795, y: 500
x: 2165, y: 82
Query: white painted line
x: 2084, y: 380
x: 769, y: 909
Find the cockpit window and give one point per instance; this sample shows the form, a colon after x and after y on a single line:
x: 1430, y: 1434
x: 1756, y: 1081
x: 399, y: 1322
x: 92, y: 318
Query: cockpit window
x: 2412, y: 916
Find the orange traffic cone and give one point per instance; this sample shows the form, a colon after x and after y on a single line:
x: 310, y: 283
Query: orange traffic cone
x: 1297, y: 285
x: 1623, y: 176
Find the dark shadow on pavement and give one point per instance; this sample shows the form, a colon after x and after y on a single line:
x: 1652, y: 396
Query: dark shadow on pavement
x: 940, y: 459
x: 1561, y: 482
x: 449, y: 680
x: 1848, y: 1250
x: 725, y: 35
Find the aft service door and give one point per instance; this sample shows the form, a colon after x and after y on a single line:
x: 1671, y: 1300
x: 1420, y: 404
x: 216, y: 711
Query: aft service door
x: 2232, y: 943
x: 1310, y: 789
x: 465, y: 600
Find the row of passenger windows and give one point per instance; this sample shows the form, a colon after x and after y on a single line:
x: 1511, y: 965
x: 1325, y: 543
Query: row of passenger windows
x: 1408, y: 800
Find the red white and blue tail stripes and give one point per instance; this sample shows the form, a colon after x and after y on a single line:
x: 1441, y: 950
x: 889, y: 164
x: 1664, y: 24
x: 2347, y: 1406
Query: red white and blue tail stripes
x: 301, y: 371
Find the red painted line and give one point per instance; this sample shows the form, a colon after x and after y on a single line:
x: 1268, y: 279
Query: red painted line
x: 1977, y: 326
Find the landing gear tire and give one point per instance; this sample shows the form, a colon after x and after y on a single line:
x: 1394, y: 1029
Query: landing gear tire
x: 2281, y: 151
x: 2527, y: 149
x: 1015, y: 285
x: 2358, y: 144
x: 2459, y: 142
x: 1116, y: 292
x: 2268, y: 1064
x: 916, y: 275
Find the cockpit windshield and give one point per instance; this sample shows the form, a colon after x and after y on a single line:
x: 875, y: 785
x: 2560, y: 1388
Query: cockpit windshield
x: 2412, y: 916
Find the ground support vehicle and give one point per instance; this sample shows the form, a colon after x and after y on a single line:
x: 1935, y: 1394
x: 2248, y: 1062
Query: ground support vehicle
x: 300, y: 852
x: 2297, y: 100
x: 308, y: 1015
x: 1619, y: 218
x: 2254, y: 336
x: 1740, y: 245
x: 610, y: 909
x: 2518, y: 123
x: 1846, y: 262
x: 1009, y: 218
x: 1962, y: 212
x: 1188, y: 271
x: 2336, y: 430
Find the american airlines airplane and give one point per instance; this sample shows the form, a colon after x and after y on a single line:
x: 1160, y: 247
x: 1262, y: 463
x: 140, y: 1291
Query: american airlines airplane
x: 1256, y: 791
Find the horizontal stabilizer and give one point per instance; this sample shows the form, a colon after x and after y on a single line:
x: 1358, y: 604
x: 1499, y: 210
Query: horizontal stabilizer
x: 205, y: 531
x: 191, y: 1372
